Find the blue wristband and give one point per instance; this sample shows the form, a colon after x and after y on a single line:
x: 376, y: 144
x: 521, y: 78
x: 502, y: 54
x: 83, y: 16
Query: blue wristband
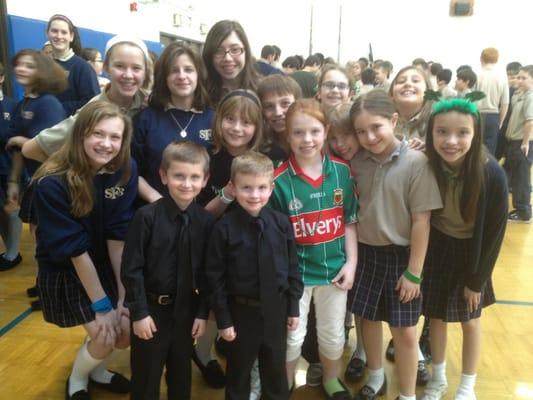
x: 102, y: 306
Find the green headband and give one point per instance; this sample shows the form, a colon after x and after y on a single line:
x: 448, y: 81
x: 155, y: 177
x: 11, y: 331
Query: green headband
x: 464, y: 105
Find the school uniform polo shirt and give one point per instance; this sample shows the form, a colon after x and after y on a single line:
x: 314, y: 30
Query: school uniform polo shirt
x: 7, y: 106
x: 522, y: 113
x: 50, y: 140
x: 318, y: 211
x: 390, y: 192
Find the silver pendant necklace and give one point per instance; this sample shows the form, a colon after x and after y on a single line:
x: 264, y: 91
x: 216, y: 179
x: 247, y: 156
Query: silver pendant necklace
x: 183, y: 131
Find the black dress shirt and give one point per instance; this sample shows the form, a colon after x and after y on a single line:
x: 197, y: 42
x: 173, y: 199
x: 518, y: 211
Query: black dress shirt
x: 151, y: 254
x: 232, y: 260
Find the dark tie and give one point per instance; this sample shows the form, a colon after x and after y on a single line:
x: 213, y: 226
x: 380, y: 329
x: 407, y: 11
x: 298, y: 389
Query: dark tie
x: 184, y: 284
x: 268, y: 284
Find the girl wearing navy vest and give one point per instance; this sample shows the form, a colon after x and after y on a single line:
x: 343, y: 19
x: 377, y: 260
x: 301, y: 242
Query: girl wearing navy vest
x: 83, y: 199
x: 66, y: 50
x: 177, y: 111
x: 465, y: 239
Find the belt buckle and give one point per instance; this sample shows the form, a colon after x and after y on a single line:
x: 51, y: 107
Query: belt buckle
x: 164, y: 300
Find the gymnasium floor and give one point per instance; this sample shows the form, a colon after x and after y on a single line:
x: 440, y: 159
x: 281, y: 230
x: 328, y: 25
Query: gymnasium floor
x: 36, y: 357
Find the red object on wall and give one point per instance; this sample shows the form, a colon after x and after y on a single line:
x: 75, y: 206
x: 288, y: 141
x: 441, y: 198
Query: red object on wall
x: 133, y: 6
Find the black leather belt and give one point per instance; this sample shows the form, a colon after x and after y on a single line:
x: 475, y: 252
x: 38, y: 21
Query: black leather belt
x: 247, y: 301
x: 161, y: 299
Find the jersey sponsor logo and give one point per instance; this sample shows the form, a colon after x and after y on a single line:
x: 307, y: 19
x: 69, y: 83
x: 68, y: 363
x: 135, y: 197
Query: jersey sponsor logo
x: 317, y: 195
x: 318, y: 226
x: 338, y: 197
x: 7, y: 116
x: 114, y: 192
x: 295, y: 204
x: 206, y: 134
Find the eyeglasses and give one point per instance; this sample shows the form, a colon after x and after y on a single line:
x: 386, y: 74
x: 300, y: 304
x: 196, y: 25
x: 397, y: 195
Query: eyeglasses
x: 232, y: 51
x: 333, y: 85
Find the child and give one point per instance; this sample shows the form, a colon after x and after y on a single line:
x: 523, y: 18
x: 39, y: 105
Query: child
x: 253, y: 274
x: 383, y: 70
x: 277, y: 93
x: 10, y: 223
x: 95, y: 60
x: 466, y: 236
x: 177, y: 111
x: 520, y: 146
x: 83, y: 200
x: 228, y: 59
x: 465, y: 81
x: 444, y: 76
x: 334, y: 87
x: 368, y: 77
x: 66, y: 50
x: 125, y: 57
x: 397, y: 193
x: 163, y: 273
x: 316, y: 192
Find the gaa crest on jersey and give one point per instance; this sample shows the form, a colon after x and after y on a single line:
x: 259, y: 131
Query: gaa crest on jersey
x: 338, y: 197
x: 295, y: 204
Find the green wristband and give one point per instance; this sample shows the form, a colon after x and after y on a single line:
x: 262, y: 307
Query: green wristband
x: 412, y: 278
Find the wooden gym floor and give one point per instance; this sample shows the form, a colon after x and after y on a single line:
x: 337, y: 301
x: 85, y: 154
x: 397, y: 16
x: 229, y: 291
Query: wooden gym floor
x: 36, y: 357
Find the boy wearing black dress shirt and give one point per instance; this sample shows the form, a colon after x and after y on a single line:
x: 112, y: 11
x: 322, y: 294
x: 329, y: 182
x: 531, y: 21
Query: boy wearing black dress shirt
x: 164, y: 276
x: 252, y: 271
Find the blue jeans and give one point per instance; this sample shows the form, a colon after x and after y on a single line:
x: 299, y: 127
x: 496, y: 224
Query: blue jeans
x: 520, y: 167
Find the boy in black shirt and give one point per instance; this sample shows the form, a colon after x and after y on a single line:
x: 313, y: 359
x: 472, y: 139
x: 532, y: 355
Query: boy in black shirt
x: 164, y: 276
x: 252, y: 270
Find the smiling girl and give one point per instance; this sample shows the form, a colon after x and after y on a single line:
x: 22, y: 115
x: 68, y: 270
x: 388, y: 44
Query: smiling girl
x: 177, y: 111
x: 66, y: 50
x: 83, y: 199
x: 334, y: 87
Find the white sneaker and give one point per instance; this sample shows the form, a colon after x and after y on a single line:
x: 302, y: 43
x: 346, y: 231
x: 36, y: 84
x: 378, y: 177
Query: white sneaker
x: 255, y: 382
x: 313, y: 377
x: 462, y: 394
x: 435, y: 390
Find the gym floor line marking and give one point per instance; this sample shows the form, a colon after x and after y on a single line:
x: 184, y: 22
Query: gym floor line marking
x: 515, y: 303
x: 5, y: 329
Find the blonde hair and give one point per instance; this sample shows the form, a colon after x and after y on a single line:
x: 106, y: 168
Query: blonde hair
x: 252, y: 163
x: 185, y: 151
x: 339, y: 119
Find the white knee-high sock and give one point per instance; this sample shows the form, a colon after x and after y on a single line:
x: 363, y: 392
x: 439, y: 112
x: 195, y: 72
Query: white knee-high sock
x: 101, y: 374
x: 83, y: 365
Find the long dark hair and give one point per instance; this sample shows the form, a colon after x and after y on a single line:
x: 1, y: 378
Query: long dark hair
x: 75, y: 45
x: 217, y: 34
x: 471, y: 172
x: 161, y: 96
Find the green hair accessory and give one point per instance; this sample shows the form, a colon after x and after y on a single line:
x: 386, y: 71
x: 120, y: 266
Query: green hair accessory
x: 464, y: 105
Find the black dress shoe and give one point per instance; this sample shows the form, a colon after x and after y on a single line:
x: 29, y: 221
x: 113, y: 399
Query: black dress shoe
x: 212, y: 372
x: 8, y: 264
x: 79, y: 395
x: 367, y: 393
x: 355, y: 370
x: 119, y: 383
x: 222, y: 346
x: 389, y: 353
x: 422, y: 374
x: 36, y: 305
x: 32, y: 292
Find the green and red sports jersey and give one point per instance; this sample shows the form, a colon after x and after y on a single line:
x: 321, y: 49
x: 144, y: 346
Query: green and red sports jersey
x: 318, y: 210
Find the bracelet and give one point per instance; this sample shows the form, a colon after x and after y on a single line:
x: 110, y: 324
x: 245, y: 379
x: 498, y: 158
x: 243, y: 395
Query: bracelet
x: 102, y: 306
x: 223, y: 198
x: 411, y: 277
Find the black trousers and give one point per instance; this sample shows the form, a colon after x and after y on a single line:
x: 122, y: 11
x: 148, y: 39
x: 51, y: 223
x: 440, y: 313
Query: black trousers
x: 267, y: 343
x: 491, y: 129
x: 171, y: 346
x: 520, y: 166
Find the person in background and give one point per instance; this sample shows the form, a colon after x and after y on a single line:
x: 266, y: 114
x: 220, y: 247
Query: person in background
x: 94, y: 58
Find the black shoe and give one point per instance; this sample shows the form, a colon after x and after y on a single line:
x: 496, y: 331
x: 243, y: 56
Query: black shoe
x: 342, y: 395
x: 221, y: 346
x: 518, y: 217
x: 425, y: 347
x: 32, y: 292
x: 355, y: 370
x: 79, y: 395
x: 119, y: 383
x: 389, y: 353
x: 36, y: 305
x: 367, y: 393
x: 422, y: 374
x: 7, y: 264
x: 212, y: 372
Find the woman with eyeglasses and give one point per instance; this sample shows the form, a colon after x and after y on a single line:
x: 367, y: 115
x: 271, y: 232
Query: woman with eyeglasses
x: 228, y: 59
x: 95, y: 60
x: 334, y: 87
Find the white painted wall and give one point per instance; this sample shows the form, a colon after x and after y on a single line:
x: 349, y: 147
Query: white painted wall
x: 399, y: 30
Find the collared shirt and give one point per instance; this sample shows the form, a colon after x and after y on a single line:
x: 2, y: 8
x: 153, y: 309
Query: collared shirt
x: 416, y: 126
x: 390, y: 191
x: 319, y: 211
x: 522, y: 112
x: 232, y: 260
x: 50, y: 140
x: 496, y: 88
x: 151, y: 252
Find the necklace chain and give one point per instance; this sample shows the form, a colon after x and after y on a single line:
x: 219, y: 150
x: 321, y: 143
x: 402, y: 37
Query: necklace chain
x: 183, y: 131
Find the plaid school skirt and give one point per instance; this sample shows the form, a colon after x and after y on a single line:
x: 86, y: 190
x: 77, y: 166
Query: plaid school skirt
x: 64, y: 300
x: 375, y: 295
x: 444, y: 276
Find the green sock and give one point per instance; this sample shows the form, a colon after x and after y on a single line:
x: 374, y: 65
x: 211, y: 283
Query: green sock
x: 333, y: 386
